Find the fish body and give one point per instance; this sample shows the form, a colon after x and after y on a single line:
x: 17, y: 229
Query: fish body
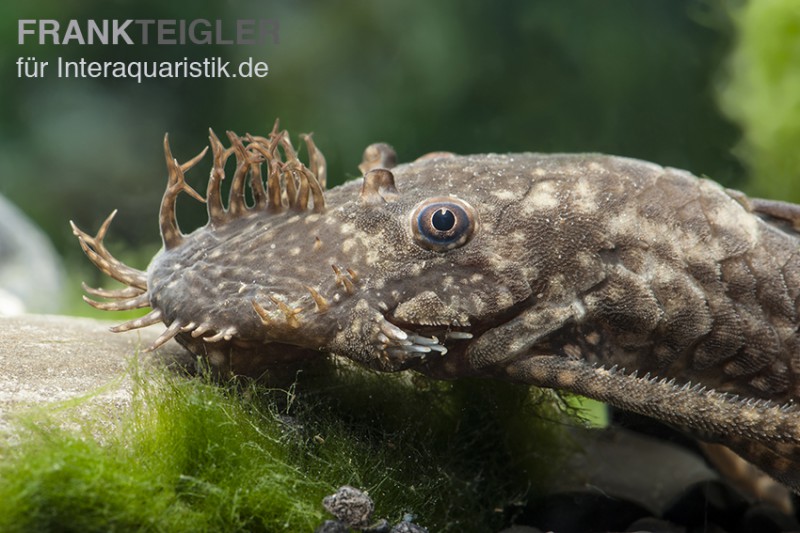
x: 642, y: 286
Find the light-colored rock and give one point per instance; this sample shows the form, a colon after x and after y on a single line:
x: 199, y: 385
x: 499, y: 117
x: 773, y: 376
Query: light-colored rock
x: 46, y: 359
x: 621, y: 463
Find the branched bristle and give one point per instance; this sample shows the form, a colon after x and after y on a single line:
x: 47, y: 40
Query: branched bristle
x: 236, y: 199
x: 319, y: 166
x: 216, y: 211
x: 170, y: 232
x: 343, y: 280
x: 289, y: 314
x: 153, y: 317
x: 321, y: 303
x: 127, y: 292
x: 255, y: 158
x: 262, y: 313
x: 274, y: 194
x: 138, y: 302
x: 96, y: 251
x: 199, y: 330
x: 289, y: 183
x: 167, y: 335
x: 226, y: 334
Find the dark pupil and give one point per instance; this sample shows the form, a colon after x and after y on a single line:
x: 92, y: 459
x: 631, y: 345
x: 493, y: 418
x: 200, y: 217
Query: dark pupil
x: 443, y: 220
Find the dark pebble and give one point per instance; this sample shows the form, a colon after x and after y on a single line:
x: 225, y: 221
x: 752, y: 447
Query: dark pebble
x: 351, y: 506
x: 580, y: 512
x: 654, y: 525
x: 706, y: 503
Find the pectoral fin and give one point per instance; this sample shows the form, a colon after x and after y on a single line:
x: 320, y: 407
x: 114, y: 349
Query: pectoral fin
x: 516, y: 337
x: 761, y: 431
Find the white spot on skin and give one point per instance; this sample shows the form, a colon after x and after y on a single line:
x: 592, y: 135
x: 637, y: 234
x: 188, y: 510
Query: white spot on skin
x: 519, y: 237
x: 416, y: 269
x: 530, y: 272
x: 735, y: 223
x: 578, y: 309
x: 585, y: 259
x: 504, y: 300
x: 272, y: 246
x: 373, y: 256
x: 541, y: 196
x: 294, y: 251
x: 504, y: 195
x: 559, y: 287
x: 597, y: 168
x: 727, y: 214
x: 584, y: 197
x: 347, y: 229
x: 348, y: 245
x: 477, y: 303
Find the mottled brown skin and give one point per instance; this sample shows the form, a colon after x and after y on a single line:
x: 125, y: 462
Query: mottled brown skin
x: 641, y: 286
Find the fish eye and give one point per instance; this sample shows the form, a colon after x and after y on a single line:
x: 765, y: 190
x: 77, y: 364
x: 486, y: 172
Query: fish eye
x: 443, y: 223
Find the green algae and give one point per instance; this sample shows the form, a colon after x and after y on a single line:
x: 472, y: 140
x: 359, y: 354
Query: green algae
x: 189, y: 454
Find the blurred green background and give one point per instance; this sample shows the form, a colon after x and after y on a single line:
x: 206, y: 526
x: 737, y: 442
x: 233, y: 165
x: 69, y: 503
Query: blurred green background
x: 629, y: 77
